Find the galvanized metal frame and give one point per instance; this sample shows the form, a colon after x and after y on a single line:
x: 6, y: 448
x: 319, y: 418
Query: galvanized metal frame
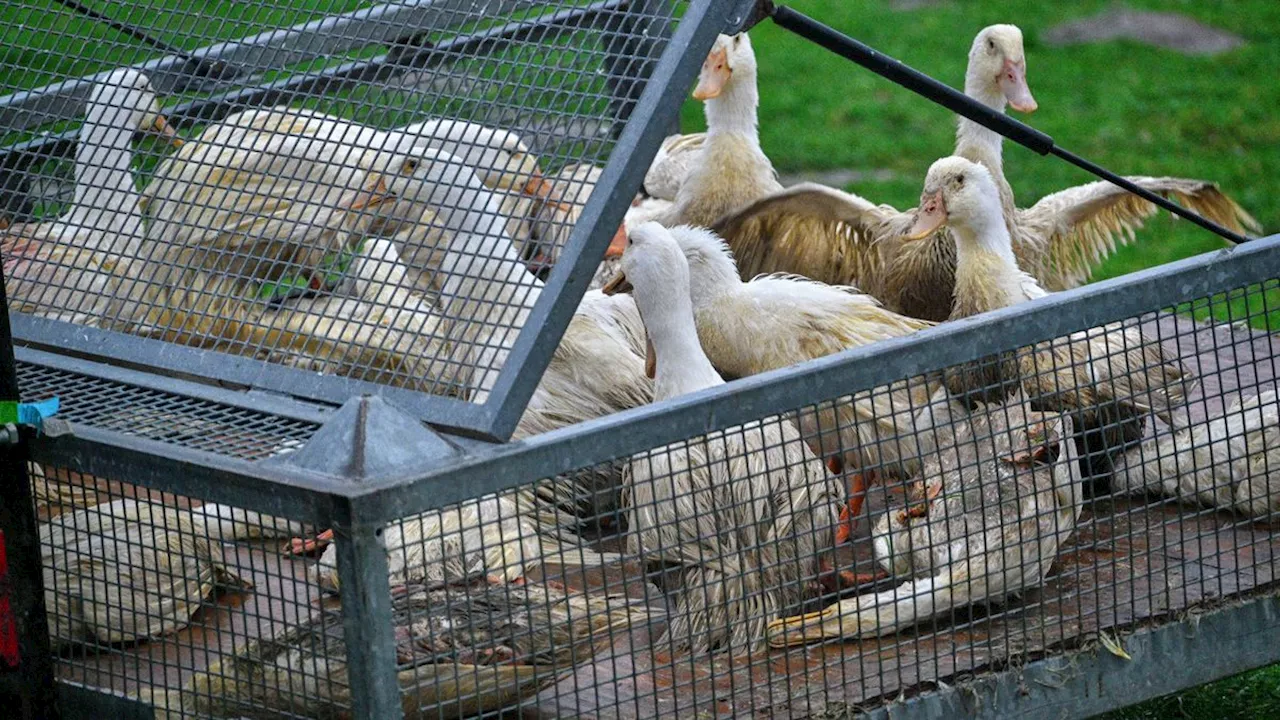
x: 655, y: 109
x: 358, y: 510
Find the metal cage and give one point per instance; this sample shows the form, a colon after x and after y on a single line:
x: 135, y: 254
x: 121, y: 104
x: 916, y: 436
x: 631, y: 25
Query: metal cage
x: 674, y: 559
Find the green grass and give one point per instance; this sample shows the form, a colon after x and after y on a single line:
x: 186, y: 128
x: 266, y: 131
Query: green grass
x: 1133, y: 108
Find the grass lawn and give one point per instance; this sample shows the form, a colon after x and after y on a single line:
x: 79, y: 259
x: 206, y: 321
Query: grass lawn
x: 1135, y: 109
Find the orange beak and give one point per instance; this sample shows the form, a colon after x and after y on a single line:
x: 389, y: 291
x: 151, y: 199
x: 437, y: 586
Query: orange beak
x: 371, y: 198
x: 541, y: 188
x: 715, y: 74
x: 162, y: 128
x: 618, y: 244
x: 1013, y: 83
x: 931, y: 215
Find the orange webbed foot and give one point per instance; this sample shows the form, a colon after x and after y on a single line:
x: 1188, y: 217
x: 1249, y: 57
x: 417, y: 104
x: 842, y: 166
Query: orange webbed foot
x: 305, y: 546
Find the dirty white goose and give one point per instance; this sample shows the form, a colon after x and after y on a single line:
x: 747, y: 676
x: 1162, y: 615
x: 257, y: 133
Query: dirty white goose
x: 742, y: 512
x: 65, y: 268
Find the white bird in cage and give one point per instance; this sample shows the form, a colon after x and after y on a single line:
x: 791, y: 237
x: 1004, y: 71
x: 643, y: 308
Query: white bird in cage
x: 776, y: 321
x: 744, y: 512
x: 817, y: 232
x: 997, y: 498
x: 1110, y: 378
x: 1231, y: 462
x: 64, y: 268
x: 243, y: 179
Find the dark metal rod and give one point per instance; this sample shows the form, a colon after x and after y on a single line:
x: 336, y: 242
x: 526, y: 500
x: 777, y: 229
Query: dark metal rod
x: 120, y: 27
x: 956, y: 101
x: 27, y: 691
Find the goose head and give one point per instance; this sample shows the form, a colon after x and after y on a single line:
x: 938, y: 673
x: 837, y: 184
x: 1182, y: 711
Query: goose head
x: 500, y: 157
x: 656, y: 273
x: 962, y: 195
x: 125, y: 100
x: 998, y: 68
x: 436, y: 179
x: 731, y: 63
x: 711, y: 265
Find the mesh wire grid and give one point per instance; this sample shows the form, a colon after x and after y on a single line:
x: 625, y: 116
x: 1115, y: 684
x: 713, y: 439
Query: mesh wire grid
x: 364, y: 190
x: 167, y: 600
x: 716, y: 576
x: 692, y: 577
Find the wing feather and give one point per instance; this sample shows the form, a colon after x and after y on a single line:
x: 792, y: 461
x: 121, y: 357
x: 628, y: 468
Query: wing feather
x: 811, y: 230
x: 1064, y: 236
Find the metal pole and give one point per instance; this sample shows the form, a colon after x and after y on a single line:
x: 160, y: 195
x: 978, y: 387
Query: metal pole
x: 366, y: 621
x: 29, y: 688
x: 962, y: 104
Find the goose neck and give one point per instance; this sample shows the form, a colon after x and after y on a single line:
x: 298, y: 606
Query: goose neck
x: 682, y: 366
x: 734, y: 109
x: 974, y: 141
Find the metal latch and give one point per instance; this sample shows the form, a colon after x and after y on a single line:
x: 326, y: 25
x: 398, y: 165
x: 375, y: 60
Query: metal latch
x: 37, y: 415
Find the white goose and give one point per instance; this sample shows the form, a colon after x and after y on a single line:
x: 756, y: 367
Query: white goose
x: 64, y: 268
x: 743, y: 511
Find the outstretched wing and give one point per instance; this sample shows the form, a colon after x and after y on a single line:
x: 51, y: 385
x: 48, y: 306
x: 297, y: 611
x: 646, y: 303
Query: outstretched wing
x: 815, y: 231
x: 1064, y: 236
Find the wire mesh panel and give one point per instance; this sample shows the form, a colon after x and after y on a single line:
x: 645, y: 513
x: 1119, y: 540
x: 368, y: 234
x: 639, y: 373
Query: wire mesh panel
x: 797, y: 561
x: 362, y: 193
x: 164, y: 599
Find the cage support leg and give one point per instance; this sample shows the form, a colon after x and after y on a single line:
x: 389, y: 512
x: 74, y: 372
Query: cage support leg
x: 366, y: 622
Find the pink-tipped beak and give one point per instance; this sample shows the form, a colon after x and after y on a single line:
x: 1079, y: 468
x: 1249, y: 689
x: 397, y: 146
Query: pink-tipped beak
x: 931, y: 215
x: 1013, y: 83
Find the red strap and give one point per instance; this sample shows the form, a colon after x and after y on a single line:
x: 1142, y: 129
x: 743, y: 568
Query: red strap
x: 9, y: 656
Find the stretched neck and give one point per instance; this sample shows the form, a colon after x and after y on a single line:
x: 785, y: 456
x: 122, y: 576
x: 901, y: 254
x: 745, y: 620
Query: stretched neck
x: 682, y: 367
x: 973, y: 141
x: 106, y: 198
x: 984, y: 236
x: 734, y: 110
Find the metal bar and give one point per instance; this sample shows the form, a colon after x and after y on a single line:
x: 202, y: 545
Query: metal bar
x: 271, y: 50
x: 376, y: 69
x: 249, y: 399
x: 456, y: 415
x: 820, y: 380
x: 1166, y: 658
x: 35, y: 693
x: 275, y: 490
x: 79, y: 702
x: 659, y: 104
x: 366, y: 620
x: 123, y: 28
x: 958, y: 102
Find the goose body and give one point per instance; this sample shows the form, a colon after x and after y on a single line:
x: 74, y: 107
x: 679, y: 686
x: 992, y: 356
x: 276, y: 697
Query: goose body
x: 776, y: 321
x: 66, y: 268
x: 465, y: 649
x: 1231, y: 462
x: 268, y: 187
x: 1003, y: 494
x: 739, y: 512
x: 131, y: 570
x: 730, y: 169
x: 1110, y: 377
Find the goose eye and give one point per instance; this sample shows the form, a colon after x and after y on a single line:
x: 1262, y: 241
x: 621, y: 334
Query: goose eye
x: 959, y: 181
x: 736, y: 39
x: 409, y: 167
x: 991, y: 45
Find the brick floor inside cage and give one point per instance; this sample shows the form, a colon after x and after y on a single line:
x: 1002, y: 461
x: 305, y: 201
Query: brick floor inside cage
x: 1131, y: 562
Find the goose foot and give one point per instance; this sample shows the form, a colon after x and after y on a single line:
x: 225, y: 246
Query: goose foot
x: 306, y: 546
x: 858, y: 484
x: 831, y: 581
x: 806, y: 628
